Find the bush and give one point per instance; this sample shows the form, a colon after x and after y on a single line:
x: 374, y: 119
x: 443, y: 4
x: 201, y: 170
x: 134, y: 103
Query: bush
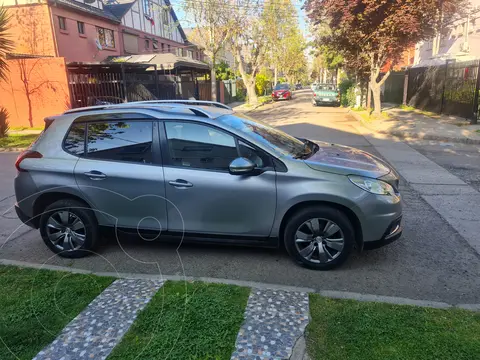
x: 347, y: 93
x: 262, y: 83
x: 3, y: 122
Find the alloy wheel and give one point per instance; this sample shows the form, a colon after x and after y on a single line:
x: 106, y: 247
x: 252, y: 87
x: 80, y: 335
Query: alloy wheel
x: 319, y: 240
x: 65, y: 230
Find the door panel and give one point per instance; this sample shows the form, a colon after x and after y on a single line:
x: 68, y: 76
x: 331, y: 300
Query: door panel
x: 120, y: 175
x: 203, y: 197
x: 220, y: 203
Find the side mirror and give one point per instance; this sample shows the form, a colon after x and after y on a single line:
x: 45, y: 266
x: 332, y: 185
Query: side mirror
x: 241, y: 166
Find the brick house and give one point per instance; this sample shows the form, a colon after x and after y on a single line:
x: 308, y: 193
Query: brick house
x: 90, y: 31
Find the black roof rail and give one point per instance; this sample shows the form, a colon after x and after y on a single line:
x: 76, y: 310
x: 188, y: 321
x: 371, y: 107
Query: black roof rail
x: 141, y: 105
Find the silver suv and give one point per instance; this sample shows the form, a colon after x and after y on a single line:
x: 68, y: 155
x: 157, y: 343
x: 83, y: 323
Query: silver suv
x: 204, y: 172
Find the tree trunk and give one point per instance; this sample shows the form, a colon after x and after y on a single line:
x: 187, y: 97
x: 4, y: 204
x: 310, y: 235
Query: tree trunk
x: 30, y: 112
x: 251, y: 93
x: 275, y: 77
x: 213, y: 78
x: 369, y: 97
x: 377, y: 103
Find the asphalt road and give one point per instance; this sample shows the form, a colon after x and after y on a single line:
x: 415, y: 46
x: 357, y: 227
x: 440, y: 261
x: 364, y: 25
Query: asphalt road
x: 430, y: 262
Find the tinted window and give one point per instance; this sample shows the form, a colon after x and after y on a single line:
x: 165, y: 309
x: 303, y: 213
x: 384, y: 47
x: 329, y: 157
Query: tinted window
x: 200, y: 146
x: 75, y: 140
x: 281, y: 87
x: 121, y: 141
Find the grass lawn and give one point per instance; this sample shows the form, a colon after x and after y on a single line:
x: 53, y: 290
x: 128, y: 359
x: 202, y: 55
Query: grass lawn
x: 423, y: 112
x: 19, y: 128
x: 17, y: 140
x: 35, y: 305
x: 345, y: 329
x: 186, y: 321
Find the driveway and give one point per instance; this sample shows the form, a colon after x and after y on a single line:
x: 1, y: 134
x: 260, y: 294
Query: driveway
x: 430, y: 262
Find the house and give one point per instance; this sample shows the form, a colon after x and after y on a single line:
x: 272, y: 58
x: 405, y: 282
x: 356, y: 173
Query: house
x: 459, y: 41
x: 90, y: 31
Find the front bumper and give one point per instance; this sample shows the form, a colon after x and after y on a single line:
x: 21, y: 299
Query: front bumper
x: 394, y: 232
x: 25, y: 218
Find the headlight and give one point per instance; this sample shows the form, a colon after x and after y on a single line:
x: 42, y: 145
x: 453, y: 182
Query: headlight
x: 373, y: 186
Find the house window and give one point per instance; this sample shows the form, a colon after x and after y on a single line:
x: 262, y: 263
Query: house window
x: 166, y: 17
x: 81, y: 27
x: 168, y: 48
x: 163, y: 47
x: 190, y: 54
x: 62, y: 23
x: 147, y: 8
x: 155, y: 45
x: 147, y: 44
x: 106, y: 38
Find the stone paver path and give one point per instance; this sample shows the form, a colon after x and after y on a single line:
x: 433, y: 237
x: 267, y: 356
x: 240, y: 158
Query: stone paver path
x: 274, y: 321
x: 99, y: 328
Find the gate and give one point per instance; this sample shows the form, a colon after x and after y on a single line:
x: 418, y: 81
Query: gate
x: 393, y: 92
x: 446, y: 89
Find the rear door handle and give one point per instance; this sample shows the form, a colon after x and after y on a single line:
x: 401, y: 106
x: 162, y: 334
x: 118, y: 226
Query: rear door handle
x: 95, y: 175
x: 180, y: 183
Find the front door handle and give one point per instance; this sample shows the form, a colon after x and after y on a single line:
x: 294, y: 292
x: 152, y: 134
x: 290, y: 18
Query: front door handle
x: 95, y: 175
x: 180, y: 183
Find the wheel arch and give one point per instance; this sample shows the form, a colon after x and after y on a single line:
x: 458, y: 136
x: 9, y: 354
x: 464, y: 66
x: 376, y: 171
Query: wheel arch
x: 48, y: 198
x: 348, y: 212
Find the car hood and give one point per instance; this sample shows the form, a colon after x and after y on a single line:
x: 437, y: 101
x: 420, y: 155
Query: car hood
x: 346, y: 160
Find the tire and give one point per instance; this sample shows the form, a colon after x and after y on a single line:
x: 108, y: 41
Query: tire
x: 322, y: 217
x: 83, y: 231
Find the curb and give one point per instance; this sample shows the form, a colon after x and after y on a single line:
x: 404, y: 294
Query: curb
x: 12, y: 149
x: 252, y: 284
x: 413, y: 135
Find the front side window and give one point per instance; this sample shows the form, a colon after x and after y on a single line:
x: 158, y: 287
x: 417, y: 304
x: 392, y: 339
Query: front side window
x: 129, y: 141
x: 198, y: 146
x: 75, y: 141
x: 106, y: 37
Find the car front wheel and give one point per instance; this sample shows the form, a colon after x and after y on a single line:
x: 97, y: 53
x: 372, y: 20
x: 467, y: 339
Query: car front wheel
x: 69, y: 228
x: 319, y: 238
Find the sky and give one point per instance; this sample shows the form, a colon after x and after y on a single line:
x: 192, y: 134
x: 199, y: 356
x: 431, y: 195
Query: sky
x: 176, y: 4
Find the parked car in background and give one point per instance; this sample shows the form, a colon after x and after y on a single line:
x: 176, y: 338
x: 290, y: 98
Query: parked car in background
x: 281, y: 92
x: 206, y: 174
x: 326, y: 94
x: 298, y: 87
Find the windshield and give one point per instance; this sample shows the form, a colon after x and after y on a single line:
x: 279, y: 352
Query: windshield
x: 325, y: 87
x: 281, y: 87
x: 265, y: 134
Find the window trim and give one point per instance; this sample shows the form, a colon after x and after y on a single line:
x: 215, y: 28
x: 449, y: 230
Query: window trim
x: 64, y: 20
x: 167, y: 159
x: 82, y: 26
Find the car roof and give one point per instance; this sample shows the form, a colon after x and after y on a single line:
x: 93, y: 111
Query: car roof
x: 205, y: 109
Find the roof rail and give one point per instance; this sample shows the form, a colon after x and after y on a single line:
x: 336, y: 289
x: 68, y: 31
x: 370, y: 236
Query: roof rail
x: 186, y: 102
x: 141, y: 105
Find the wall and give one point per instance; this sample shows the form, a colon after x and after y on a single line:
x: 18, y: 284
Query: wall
x: 140, y: 41
x: 76, y: 47
x: 30, y: 30
x: 34, y: 89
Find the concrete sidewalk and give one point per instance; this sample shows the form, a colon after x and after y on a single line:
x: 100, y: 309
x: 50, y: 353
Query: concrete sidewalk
x: 412, y: 124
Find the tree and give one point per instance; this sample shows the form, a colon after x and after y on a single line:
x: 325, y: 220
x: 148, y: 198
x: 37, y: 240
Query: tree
x: 213, y: 28
x: 371, y: 32
x: 278, y: 24
x: 5, y: 43
x: 293, y: 61
x: 224, y: 72
x: 248, y: 43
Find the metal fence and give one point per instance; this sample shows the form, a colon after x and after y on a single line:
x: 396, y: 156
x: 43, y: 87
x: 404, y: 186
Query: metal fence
x: 446, y: 89
x: 393, y: 91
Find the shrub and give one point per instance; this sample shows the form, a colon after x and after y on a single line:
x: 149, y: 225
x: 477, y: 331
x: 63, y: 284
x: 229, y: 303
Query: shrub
x: 261, y: 84
x: 3, y: 122
x: 347, y: 93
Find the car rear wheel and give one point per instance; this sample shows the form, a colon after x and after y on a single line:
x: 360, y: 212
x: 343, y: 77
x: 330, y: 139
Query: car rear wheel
x: 69, y: 228
x: 319, y: 238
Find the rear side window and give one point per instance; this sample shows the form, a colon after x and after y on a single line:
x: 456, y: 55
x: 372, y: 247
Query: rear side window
x: 120, y: 141
x: 75, y: 140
